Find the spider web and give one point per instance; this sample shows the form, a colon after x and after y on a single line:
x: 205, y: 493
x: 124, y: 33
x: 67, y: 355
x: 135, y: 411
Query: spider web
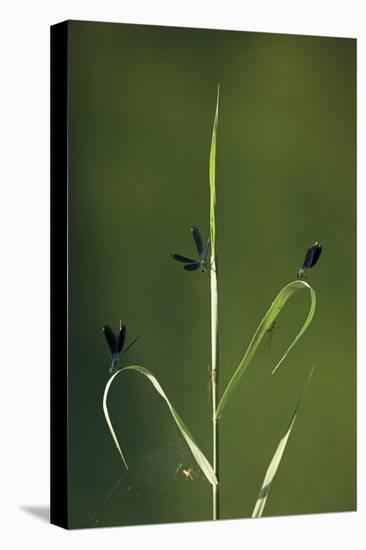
x: 150, y: 475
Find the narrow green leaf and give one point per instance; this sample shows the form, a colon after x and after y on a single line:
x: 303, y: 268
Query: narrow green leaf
x: 107, y: 417
x: 271, y: 315
x: 213, y: 268
x: 214, y: 307
x: 212, y: 172
x: 196, y: 452
x: 276, y: 459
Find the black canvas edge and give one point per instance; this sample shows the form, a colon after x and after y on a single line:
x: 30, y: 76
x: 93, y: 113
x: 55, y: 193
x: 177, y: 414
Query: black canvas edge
x: 59, y: 268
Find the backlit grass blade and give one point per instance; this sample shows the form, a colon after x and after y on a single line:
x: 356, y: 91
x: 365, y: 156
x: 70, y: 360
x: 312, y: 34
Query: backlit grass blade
x: 196, y: 452
x: 108, y: 420
x: 271, y: 315
x: 214, y: 306
x: 212, y: 176
x: 275, y: 462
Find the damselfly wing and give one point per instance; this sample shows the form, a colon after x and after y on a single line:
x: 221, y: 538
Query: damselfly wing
x: 202, y: 249
x: 115, y: 343
x: 311, y: 258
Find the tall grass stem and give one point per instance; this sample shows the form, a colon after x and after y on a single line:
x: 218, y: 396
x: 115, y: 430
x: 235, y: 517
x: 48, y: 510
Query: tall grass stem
x: 214, y: 314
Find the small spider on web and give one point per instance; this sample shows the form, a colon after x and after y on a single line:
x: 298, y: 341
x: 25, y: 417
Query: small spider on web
x: 150, y: 475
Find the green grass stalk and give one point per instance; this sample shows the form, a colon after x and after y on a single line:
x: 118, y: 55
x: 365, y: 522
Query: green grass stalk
x: 214, y: 315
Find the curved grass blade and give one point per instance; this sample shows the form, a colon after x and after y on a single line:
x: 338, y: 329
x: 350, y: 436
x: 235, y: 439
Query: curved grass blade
x: 196, y: 452
x: 107, y: 417
x: 276, y: 459
x: 271, y: 315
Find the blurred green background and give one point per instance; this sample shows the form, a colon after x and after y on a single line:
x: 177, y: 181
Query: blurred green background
x: 141, y: 107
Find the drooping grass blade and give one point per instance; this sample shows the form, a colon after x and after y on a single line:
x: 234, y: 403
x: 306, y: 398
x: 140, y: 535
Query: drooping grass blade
x: 279, y: 302
x: 266, y: 344
x: 108, y: 420
x: 196, y: 452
